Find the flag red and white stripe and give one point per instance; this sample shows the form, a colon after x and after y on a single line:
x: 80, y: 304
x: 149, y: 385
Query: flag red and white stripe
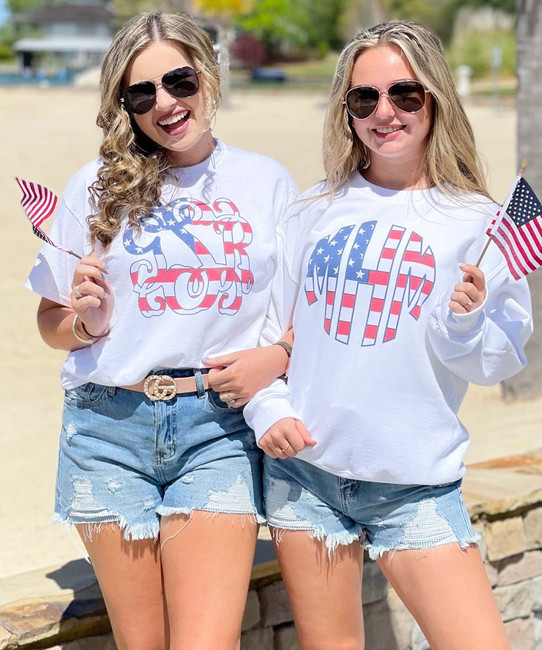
x: 517, y: 231
x: 39, y: 203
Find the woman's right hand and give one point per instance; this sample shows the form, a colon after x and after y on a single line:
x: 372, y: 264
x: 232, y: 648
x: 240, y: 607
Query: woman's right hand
x: 285, y: 438
x: 91, y: 296
x: 240, y: 375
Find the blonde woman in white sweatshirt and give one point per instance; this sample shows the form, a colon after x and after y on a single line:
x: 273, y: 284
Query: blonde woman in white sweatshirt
x: 391, y: 321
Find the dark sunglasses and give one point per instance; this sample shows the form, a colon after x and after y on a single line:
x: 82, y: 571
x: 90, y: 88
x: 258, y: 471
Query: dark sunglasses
x: 408, y: 96
x: 139, y: 98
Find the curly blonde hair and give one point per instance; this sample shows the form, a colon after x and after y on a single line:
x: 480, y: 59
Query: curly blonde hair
x: 130, y: 179
x: 451, y: 159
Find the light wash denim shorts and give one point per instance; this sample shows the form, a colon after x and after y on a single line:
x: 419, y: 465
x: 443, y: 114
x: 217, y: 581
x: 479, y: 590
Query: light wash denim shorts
x: 124, y: 458
x: 382, y: 516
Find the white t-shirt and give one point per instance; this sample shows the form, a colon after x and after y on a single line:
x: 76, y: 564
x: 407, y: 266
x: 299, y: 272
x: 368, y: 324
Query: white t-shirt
x: 380, y: 364
x: 194, y: 283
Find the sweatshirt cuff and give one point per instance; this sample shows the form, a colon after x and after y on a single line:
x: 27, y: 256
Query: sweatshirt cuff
x: 462, y: 323
x: 268, y: 412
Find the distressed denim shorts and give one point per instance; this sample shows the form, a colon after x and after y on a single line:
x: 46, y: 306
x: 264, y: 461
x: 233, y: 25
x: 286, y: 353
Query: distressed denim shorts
x: 124, y: 458
x: 383, y: 516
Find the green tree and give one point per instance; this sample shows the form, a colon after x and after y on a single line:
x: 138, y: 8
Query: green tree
x: 435, y: 14
x: 7, y: 38
x: 267, y: 22
x: 318, y: 22
x: 304, y: 25
x: 24, y: 6
x: 439, y: 15
x: 508, y: 6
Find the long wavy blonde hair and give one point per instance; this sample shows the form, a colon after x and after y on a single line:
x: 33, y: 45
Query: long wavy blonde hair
x: 450, y: 160
x: 132, y: 174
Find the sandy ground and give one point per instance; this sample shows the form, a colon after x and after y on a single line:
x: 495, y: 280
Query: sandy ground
x: 47, y: 135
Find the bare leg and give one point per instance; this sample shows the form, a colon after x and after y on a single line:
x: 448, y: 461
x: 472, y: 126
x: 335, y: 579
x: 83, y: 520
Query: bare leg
x: 446, y: 589
x: 324, y: 593
x: 207, y: 562
x: 130, y: 578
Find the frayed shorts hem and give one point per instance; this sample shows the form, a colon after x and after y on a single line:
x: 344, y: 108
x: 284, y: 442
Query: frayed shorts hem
x: 131, y: 532
x: 169, y: 511
x: 318, y: 533
x: 376, y: 552
x: 149, y: 530
x: 334, y: 540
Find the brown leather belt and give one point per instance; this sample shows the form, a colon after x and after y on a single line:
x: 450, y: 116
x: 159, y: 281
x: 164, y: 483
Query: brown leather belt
x: 164, y: 387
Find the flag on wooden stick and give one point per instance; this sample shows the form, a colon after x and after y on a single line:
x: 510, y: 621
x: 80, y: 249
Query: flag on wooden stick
x: 517, y: 231
x: 39, y: 203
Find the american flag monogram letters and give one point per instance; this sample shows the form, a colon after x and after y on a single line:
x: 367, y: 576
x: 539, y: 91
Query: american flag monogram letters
x: 402, y: 278
x: 215, y: 268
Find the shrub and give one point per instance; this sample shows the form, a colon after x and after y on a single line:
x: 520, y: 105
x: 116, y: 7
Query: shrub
x: 474, y: 48
x: 249, y: 50
x: 6, y: 52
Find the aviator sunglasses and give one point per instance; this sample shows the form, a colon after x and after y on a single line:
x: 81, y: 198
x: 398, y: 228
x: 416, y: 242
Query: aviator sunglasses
x: 139, y: 98
x: 408, y: 96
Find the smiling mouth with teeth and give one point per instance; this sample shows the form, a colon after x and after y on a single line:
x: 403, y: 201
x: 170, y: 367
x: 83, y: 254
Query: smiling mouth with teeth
x: 175, y: 121
x: 389, y: 129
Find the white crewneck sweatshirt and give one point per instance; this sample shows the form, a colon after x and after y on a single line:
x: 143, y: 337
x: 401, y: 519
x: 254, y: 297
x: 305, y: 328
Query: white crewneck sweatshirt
x: 380, y: 364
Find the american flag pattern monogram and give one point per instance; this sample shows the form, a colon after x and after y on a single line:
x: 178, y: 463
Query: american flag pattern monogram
x: 404, y: 275
x: 325, y: 262
x: 216, y: 265
x: 519, y: 233
x: 415, y: 281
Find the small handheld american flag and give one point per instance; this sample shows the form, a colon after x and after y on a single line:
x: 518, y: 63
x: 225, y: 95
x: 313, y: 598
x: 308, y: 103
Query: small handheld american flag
x: 39, y: 203
x: 517, y: 229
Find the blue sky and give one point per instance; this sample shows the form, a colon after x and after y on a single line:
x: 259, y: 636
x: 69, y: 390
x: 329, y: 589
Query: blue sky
x: 3, y: 11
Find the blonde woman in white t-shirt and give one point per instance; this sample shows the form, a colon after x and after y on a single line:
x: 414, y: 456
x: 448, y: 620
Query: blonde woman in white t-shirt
x: 159, y: 473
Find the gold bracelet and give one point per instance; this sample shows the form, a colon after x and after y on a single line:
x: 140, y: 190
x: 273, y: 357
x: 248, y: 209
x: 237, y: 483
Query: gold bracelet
x: 74, y: 330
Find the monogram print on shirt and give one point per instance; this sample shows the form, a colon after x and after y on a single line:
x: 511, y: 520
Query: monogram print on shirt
x: 208, y: 262
x: 402, y: 278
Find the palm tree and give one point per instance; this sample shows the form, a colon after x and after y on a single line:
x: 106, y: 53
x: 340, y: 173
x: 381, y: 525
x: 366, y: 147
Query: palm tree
x: 529, y: 101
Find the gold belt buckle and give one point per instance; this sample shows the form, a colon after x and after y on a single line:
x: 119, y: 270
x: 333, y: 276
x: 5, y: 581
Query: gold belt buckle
x: 160, y: 387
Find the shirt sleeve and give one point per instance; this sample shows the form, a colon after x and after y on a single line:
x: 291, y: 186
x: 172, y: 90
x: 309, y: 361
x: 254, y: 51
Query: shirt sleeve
x: 272, y: 404
x: 292, y: 232
x: 284, y: 288
x: 486, y: 345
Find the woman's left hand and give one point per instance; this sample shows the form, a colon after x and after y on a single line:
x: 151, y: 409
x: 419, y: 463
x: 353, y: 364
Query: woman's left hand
x: 470, y: 293
x: 240, y: 375
x: 286, y: 438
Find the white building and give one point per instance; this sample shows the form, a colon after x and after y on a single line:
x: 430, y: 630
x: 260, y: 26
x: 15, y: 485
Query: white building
x: 74, y: 34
